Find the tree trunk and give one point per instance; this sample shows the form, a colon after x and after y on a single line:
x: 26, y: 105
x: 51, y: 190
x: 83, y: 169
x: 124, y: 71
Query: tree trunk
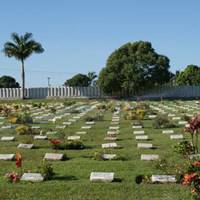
x: 23, y: 81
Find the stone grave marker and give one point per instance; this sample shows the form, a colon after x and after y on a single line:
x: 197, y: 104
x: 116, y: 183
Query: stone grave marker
x: 145, y: 146
x: 53, y: 156
x: 74, y: 137
x: 7, y: 138
x: 86, y: 127
x: 136, y: 126
x: 163, y: 179
x: 142, y: 137
x: 32, y: 177
x: 138, y: 132
x: 40, y: 137
x: 102, y: 177
x: 25, y: 146
x: 176, y: 137
x: 149, y: 157
x: 109, y: 156
x: 7, y: 156
x: 109, y: 145
x: 81, y: 132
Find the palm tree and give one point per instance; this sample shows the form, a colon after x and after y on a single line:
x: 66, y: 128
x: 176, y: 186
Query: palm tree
x: 92, y: 76
x: 21, y: 47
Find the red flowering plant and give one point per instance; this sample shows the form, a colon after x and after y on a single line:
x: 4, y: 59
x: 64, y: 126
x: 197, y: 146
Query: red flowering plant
x: 55, y: 143
x: 192, y: 178
x: 12, y: 177
x: 194, y: 129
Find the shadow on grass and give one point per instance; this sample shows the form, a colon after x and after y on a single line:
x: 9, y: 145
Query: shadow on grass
x: 64, y: 178
x: 117, y: 180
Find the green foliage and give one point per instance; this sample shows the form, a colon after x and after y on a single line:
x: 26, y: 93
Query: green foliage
x: 79, y: 80
x: 21, y: 118
x: 96, y: 117
x: 161, y: 164
x: 75, y: 145
x: 189, y: 76
x: 23, y: 130
x: 69, y: 103
x: 162, y: 121
x: 8, y: 82
x: 184, y: 148
x: 46, y: 169
x: 132, y: 68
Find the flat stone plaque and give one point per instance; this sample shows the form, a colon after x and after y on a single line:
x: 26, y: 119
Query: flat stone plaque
x: 152, y: 116
x: 89, y: 123
x: 74, y: 137
x: 176, y: 118
x: 112, y: 132
x: 40, y: 137
x: 25, y: 146
x: 61, y: 127
x: 114, y: 127
x: 67, y: 123
x: 86, y: 127
x: 109, y: 156
x: 32, y: 177
x: 182, y: 122
x: 7, y: 138
x: 149, y: 157
x: 137, y: 127
x: 168, y: 131
x: 72, y: 120
x: 176, y: 137
x: 53, y: 156
x: 145, y: 146
x: 7, y: 156
x: 142, y: 137
x: 102, y: 177
x: 163, y: 179
x: 110, y: 138
x: 194, y: 156
x: 109, y: 145
x: 81, y: 132
x: 138, y: 132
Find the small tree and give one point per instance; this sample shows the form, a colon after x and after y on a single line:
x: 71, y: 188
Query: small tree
x: 21, y: 48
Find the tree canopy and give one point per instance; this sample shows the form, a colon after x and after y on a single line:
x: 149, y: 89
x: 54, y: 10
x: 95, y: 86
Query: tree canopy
x: 132, y: 68
x: 189, y: 76
x: 79, y: 80
x: 8, y: 82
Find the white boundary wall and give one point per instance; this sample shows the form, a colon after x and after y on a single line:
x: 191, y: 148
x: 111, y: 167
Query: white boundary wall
x: 52, y: 92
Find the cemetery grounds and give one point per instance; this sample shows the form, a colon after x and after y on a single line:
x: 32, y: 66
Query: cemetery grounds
x: 72, y: 176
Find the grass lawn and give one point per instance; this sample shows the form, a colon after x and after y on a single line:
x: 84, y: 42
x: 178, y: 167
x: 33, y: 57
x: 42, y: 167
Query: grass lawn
x: 71, y: 181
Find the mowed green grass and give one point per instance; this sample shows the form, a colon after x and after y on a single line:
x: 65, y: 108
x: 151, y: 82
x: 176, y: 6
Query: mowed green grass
x: 72, y: 176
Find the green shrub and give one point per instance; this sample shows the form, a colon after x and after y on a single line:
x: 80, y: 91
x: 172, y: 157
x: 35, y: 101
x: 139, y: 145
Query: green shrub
x: 162, y: 121
x: 23, y: 130
x: 184, y: 148
x: 69, y: 103
x: 74, y: 145
x: 46, y: 169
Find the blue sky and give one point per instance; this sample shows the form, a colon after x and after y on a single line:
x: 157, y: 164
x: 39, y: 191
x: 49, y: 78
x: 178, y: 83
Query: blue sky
x: 79, y: 35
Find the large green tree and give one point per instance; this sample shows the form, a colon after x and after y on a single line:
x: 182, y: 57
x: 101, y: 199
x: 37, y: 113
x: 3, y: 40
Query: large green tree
x: 21, y: 47
x: 189, y: 76
x: 79, y: 80
x: 132, y: 68
x: 8, y: 82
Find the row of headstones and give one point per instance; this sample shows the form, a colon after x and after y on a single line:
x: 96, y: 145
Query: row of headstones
x: 37, y: 177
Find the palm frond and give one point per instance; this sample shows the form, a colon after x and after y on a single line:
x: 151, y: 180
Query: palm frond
x: 16, y: 38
